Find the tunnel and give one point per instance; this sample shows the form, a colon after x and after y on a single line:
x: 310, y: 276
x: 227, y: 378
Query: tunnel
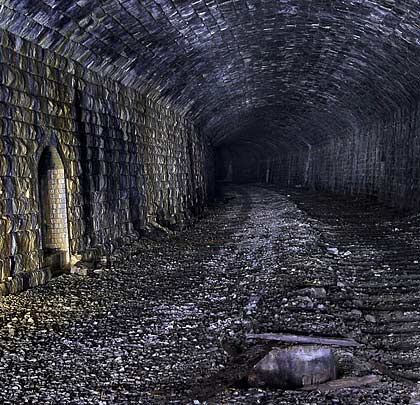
x: 210, y: 201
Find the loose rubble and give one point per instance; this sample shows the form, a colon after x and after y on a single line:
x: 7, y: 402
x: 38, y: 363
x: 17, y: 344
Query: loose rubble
x: 171, y: 315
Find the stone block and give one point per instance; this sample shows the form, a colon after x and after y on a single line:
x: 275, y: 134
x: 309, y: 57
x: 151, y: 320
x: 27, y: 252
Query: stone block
x: 294, y: 367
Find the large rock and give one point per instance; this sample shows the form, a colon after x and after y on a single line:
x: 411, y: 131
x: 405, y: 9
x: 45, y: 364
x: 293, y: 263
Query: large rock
x: 294, y: 367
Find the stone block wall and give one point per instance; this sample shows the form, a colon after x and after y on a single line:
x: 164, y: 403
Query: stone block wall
x: 289, y: 168
x: 128, y: 161
x: 380, y: 159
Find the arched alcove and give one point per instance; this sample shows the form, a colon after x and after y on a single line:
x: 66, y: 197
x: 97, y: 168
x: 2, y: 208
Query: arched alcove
x: 53, y: 210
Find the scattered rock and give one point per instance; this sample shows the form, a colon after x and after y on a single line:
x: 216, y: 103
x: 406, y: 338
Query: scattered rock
x: 313, y: 292
x: 370, y: 318
x: 350, y: 365
x: 252, y: 304
x: 163, y: 306
x: 80, y: 271
x: 356, y: 313
x: 303, y: 302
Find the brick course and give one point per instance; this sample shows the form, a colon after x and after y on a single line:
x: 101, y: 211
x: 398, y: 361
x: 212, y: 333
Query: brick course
x: 128, y: 160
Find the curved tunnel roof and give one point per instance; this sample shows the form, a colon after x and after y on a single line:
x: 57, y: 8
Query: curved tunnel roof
x: 291, y: 72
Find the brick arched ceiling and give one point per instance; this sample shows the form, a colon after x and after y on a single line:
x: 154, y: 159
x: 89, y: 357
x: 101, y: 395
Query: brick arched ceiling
x: 297, y: 71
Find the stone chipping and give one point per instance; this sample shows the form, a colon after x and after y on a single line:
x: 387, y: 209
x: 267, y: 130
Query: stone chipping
x: 144, y: 102
x: 168, y: 319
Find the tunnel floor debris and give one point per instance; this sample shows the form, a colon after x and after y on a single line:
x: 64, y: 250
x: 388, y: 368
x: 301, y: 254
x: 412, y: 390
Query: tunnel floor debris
x: 171, y: 315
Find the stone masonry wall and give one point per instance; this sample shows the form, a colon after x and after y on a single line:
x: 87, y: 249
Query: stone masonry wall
x: 381, y: 159
x: 289, y: 168
x: 128, y: 161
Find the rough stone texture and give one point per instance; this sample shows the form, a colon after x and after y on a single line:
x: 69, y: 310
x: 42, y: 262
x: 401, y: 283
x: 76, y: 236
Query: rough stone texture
x: 159, y: 320
x: 294, y: 367
x: 277, y: 73
x: 128, y: 160
x: 382, y: 160
x: 379, y: 160
x: 317, y: 93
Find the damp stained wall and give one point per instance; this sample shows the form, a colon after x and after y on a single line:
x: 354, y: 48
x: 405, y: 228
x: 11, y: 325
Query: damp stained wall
x: 128, y: 161
x: 379, y: 159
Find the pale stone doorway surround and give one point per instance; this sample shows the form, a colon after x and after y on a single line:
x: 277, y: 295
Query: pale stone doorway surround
x: 53, y: 210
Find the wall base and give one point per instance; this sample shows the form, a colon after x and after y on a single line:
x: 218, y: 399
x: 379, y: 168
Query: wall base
x: 24, y: 281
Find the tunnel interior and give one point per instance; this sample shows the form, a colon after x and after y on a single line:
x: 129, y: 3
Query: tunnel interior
x: 281, y: 76
x: 120, y: 122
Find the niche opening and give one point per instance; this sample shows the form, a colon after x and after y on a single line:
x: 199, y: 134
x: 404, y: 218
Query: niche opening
x: 53, y: 210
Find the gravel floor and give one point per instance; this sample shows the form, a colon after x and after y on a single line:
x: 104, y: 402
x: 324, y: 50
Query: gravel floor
x: 173, y: 310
